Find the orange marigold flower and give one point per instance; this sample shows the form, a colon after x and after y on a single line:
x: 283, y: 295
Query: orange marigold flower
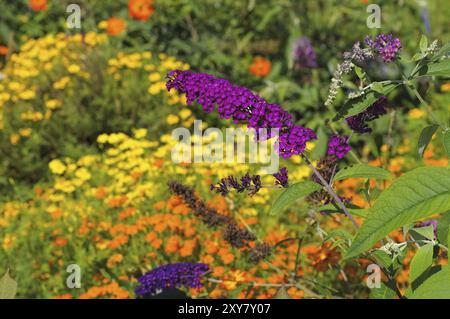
x: 115, y: 26
x: 114, y: 259
x: 3, y: 50
x: 260, y: 67
x: 117, y: 201
x: 159, y: 205
x: 60, y: 242
x: 38, y: 5
x: 141, y: 9
x: 101, y: 192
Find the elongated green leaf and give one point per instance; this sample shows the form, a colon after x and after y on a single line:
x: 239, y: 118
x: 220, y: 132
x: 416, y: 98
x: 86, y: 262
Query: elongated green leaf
x: 8, y: 287
x: 447, y: 142
x: 421, y: 261
x: 384, y: 292
x: 417, y: 194
x: 425, y: 137
x: 423, y: 43
x: 292, y: 194
x: 361, y: 103
x: 362, y: 170
x: 437, y: 286
x: 439, y: 69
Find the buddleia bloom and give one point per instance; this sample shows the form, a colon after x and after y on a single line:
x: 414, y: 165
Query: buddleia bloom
x: 338, y: 146
x: 241, y: 105
x: 358, y: 123
x: 303, y: 54
x: 171, y: 276
x: 387, y: 46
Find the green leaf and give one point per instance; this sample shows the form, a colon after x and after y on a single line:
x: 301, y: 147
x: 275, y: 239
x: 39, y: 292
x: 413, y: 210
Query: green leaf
x: 384, y: 292
x: 442, y: 228
x: 437, y: 286
x: 425, y: 233
x: 362, y: 170
x: 438, y: 69
x: 447, y: 142
x: 425, y: 137
x: 292, y: 194
x: 8, y: 287
x: 421, y: 261
x: 361, y: 103
x: 444, y: 50
x: 423, y: 43
x: 417, y: 194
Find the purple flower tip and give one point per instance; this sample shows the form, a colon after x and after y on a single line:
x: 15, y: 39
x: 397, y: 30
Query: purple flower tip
x: 171, y: 276
x: 303, y: 54
x: 358, y: 123
x: 386, y: 45
x: 282, y: 177
x: 338, y: 146
x: 241, y: 105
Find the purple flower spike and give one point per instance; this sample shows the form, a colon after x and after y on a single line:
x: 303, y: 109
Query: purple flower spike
x: 303, y: 54
x: 358, y: 123
x: 241, y: 105
x: 282, y: 177
x: 338, y: 146
x: 171, y: 276
x: 386, y: 45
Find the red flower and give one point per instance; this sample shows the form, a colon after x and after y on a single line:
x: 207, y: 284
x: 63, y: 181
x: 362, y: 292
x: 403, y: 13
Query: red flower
x: 260, y: 67
x: 38, y: 5
x: 141, y: 9
x: 115, y: 26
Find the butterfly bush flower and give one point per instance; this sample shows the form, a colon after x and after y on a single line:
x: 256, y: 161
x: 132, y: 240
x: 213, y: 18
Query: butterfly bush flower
x: 282, y: 177
x: 246, y: 182
x: 358, y: 123
x: 241, y: 105
x: 386, y: 45
x: 171, y: 276
x: 303, y: 54
x: 338, y: 146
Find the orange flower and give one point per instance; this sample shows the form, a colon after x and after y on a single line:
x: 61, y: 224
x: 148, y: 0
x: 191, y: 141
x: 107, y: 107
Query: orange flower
x: 115, y: 26
x: 260, y: 67
x: 63, y: 296
x: 101, y: 192
x: 140, y: 9
x: 114, y: 259
x: 38, y: 5
x: 61, y: 242
x: 3, y: 50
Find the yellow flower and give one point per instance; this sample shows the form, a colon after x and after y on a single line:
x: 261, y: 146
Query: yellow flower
x: 185, y: 113
x: 140, y: 133
x: 57, y: 167
x: 102, y: 25
x: 154, y: 89
x: 27, y: 95
x: 172, y: 119
x: 153, y: 77
x: 25, y: 131
x: 14, y: 138
x: 53, y: 104
x: 416, y: 113
x: 83, y: 174
x: 445, y: 87
x: 73, y: 68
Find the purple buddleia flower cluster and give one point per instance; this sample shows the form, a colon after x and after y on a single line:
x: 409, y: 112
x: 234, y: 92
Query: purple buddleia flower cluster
x: 338, y: 146
x: 171, y: 276
x: 386, y: 45
x: 246, y: 182
x: 358, y: 123
x: 281, y: 177
x: 303, y: 54
x: 241, y: 105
